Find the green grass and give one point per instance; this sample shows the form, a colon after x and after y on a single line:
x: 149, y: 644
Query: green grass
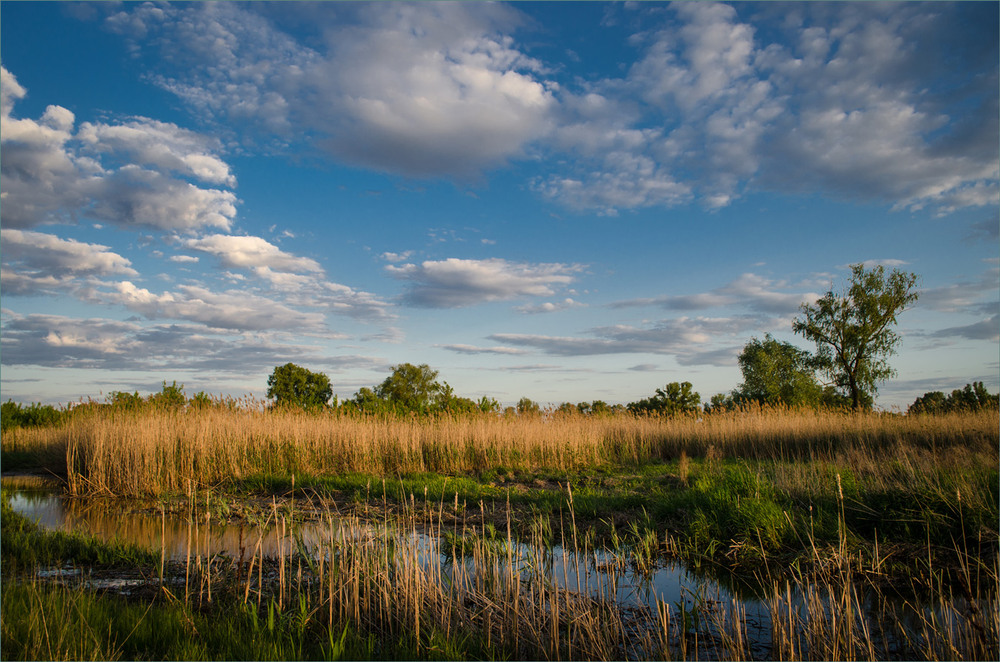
x: 731, y: 510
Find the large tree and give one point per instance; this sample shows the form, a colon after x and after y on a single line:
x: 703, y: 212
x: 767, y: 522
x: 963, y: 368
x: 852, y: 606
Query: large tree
x: 292, y: 385
x: 410, y: 387
x: 853, y: 329
x: 777, y: 373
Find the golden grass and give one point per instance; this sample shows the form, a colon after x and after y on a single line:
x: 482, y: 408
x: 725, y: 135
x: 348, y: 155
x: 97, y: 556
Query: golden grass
x: 160, y: 450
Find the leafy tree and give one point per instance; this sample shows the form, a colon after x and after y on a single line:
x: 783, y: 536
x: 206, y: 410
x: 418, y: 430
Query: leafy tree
x: 447, y: 401
x: 126, y: 401
x: 777, y: 373
x: 488, y: 405
x: 675, y: 398
x: 853, y: 330
x: 528, y: 407
x: 292, y: 385
x: 410, y: 387
x: 933, y: 402
x: 171, y: 397
x: 15, y: 415
x: 720, y: 402
x: 971, y: 398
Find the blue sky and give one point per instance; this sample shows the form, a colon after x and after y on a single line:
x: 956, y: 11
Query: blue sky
x: 564, y: 201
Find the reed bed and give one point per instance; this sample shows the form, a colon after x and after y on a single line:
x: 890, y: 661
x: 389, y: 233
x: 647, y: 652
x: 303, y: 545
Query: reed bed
x: 151, y: 452
x: 402, y: 590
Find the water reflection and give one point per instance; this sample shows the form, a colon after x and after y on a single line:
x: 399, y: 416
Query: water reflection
x: 598, y: 574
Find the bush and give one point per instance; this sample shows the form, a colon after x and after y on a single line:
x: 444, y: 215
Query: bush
x: 14, y: 415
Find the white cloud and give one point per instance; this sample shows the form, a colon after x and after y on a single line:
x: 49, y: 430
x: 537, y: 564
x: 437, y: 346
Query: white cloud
x: 550, y: 306
x: 852, y: 101
x: 35, y: 263
x: 160, y: 144
x: 231, y: 309
x: 402, y: 88
x: 47, y: 252
x: 251, y: 253
x: 51, y: 175
x: 454, y: 282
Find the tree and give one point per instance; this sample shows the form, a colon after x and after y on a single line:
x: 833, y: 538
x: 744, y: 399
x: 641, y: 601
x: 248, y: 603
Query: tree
x: 171, y: 397
x: 410, y: 387
x: 292, y: 385
x: 777, y: 373
x: 528, y: 407
x: 853, y: 330
x: 675, y: 398
x: 973, y: 397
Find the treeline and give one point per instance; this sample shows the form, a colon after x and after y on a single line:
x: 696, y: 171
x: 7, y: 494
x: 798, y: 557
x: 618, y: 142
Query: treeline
x: 172, y: 396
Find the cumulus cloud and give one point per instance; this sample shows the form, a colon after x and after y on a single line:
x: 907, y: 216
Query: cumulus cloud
x: 251, y: 253
x: 230, y: 309
x: 401, y: 88
x: 894, y: 103
x: 854, y: 101
x: 301, y: 280
x: 162, y: 145
x: 49, y: 253
x: 454, y: 282
x: 36, y: 262
x: 121, y: 174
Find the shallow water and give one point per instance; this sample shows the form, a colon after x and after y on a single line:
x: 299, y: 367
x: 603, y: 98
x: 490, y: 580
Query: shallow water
x: 599, y: 574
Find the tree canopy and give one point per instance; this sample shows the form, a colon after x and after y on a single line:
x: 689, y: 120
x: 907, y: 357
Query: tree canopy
x: 971, y: 398
x: 674, y: 398
x: 777, y: 373
x: 410, y: 387
x: 853, y: 330
x: 292, y: 385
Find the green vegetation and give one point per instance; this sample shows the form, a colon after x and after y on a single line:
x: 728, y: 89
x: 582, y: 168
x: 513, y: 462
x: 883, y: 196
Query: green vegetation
x: 14, y: 415
x: 974, y: 397
x: 853, y: 330
x: 294, y: 386
x: 674, y: 399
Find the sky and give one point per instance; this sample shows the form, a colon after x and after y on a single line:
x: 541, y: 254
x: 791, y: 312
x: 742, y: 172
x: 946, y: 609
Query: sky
x: 561, y: 201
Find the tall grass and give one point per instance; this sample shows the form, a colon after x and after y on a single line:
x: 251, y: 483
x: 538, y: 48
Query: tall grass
x: 125, y: 453
x: 410, y: 593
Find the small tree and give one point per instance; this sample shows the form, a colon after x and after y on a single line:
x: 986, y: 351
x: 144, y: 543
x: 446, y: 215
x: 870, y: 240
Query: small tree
x: 292, y: 385
x: 853, y: 330
x: 777, y: 373
x: 171, y: 397
x: 674, y: 398
x: 528, y: 407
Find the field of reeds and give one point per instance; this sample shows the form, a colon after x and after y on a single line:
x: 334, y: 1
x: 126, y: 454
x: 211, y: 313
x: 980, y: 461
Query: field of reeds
x: 867, y: 535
